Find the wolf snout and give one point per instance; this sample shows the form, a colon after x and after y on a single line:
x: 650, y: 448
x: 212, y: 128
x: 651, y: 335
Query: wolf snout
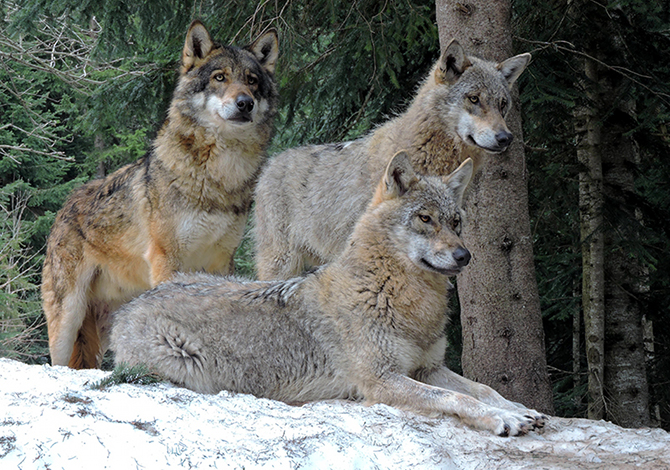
x: 461, y: 256
x: 504, y: 138
x: 244, y: 103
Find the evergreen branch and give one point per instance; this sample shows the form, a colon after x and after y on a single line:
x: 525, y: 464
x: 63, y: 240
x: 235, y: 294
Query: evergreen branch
x: 125, y: 374
x: 48, y: 137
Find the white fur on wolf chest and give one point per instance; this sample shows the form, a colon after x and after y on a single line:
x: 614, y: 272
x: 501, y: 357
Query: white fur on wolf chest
x: 204, y: 237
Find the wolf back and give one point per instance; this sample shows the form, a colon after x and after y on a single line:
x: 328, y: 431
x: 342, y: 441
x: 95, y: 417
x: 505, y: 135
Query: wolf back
x: 309, y: 198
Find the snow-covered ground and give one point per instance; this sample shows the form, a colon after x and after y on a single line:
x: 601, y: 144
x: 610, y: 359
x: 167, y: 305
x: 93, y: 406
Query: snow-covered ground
x: 50, y: 418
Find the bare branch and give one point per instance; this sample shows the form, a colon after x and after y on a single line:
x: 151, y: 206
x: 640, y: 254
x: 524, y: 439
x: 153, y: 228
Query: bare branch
x: 23, y: 148
x: 631, y: 75
x: 64, y: 50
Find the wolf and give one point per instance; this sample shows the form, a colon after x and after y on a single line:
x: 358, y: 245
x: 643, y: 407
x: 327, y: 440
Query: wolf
x: 183, y: 206
x: 458, y: 113
x: 368, y: 326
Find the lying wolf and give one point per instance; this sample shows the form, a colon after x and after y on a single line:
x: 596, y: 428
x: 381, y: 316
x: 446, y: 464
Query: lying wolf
x: 370, y: 325
x: 181, y: 207
x: 308, y: 199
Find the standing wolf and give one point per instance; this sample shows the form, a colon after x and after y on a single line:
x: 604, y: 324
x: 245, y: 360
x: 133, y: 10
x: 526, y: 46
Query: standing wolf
x: 370, y: 325
x: 308, y: 199
x: 181, y: 207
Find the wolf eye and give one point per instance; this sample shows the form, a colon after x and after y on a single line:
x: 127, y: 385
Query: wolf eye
x: 251, y: 80
x: 219, y: 77
x: 474, y: 99
x: 425, y: 218
x: 503, y: 106
x: 455, y: 223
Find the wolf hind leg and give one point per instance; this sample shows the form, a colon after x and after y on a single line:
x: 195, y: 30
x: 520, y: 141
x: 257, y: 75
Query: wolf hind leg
x: 166, y: 348
x: 65, y: 307
x: 63, y: 332
x: 87, y: 348
x: 74, y: 332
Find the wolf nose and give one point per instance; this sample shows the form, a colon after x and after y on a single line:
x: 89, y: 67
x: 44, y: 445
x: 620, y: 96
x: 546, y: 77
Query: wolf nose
x: 504, y: 138
x: 245, y: 103
x: 461, y: 256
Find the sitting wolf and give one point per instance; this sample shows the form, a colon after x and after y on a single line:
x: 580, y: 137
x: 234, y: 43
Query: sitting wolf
x: 308, y: 199
x: 181, y: 207
x: 370, y: 325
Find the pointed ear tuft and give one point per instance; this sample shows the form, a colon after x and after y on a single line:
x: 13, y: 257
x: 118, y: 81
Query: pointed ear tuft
x: 459, y: 180
x: 198, y: 45
x: 266, y: 49
x: 400, y: 175
x: 452, y: 64
x: 512, y: 67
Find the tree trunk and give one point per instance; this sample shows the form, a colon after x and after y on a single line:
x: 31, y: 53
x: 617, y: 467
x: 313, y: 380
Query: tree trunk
x: 99, y: 144
x: 613, y: 277
x: 576, y: 342
x: 625, y: 379
x: 503, y: 338
x: 625, y: 367
x: 591, y: 200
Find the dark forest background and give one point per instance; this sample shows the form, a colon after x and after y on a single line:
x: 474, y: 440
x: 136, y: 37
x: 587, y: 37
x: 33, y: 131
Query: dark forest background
x: 84, y: 86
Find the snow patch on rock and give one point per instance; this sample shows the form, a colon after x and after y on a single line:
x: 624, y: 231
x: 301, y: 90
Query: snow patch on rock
x: 50, y: 418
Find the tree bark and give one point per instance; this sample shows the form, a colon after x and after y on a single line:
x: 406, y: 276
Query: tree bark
x: 591, y: 201
x: 503, y: 338
x: 625, y: 378
x: 99, y: 144
x: 576, y: 342
x: 612, y: 275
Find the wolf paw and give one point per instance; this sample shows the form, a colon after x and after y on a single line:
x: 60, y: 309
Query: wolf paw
x: 537, y: 417
x: 508, y: 423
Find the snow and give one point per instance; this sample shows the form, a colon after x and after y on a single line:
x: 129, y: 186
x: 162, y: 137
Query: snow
x: 51, y: 418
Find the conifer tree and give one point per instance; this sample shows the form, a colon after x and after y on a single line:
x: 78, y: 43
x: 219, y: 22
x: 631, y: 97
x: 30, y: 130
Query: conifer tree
x: 500, y: 307
x: 599, y: 92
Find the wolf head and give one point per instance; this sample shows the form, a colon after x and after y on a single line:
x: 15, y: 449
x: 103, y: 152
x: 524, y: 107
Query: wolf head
x: 474, y: 96
x: 423, y: 214
x: 226, y: 87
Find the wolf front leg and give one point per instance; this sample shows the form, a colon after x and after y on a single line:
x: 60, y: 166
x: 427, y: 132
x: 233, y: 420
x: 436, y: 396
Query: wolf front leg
x: 405, y: 393
x: 162, y: 265
x: 444, y: 378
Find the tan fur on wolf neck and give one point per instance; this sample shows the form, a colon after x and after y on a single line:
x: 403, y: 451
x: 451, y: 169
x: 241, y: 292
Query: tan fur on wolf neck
x: 209, y: 171
x: 432, y: 149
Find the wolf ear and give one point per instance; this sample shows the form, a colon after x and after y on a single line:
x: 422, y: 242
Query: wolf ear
x: 266, y: 49
x: 198, y: 45
x: 512, y: 67
x: 400, y: 175
x: 459, y: 180
x: 452, y: 64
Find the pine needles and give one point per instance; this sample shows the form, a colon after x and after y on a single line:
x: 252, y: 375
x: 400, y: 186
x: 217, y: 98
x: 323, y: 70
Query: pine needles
x: 125, y: 374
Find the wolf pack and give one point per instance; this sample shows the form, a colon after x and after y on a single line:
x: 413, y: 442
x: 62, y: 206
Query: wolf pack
x: 355, y: 243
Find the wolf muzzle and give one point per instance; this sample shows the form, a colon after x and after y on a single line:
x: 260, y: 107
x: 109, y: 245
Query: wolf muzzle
x: 462, y: 256
x: 504, y: 139
x: 245, y: 104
